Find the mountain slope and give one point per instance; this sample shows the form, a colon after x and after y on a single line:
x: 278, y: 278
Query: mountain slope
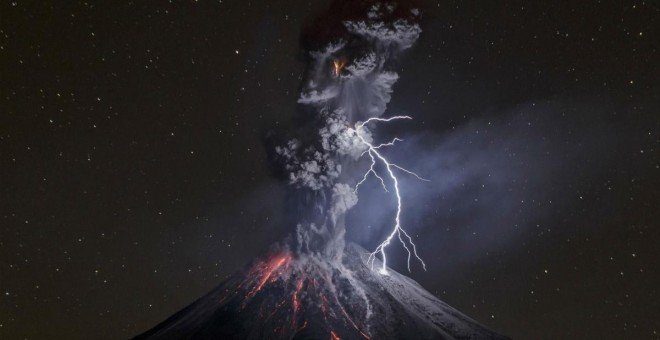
x: 305, y: 297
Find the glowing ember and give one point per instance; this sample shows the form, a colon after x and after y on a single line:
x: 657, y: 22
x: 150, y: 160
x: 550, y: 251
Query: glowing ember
x: 338, y: 66
x: 296, y: 303
x: 333, y: 336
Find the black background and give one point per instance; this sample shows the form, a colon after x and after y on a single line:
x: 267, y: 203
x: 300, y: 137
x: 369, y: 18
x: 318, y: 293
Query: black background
x: 134, y: 178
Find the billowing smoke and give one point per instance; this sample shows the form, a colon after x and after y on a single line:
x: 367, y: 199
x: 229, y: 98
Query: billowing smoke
x: 351, y: 53
x: 316, y: 286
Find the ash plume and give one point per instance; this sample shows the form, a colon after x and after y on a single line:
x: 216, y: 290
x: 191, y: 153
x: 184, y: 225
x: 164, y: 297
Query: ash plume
x: 350, y: 78
x: 314, y: 285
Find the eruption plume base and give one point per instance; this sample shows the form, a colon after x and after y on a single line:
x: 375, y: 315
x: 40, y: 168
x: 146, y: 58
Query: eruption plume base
x: 350, y: 78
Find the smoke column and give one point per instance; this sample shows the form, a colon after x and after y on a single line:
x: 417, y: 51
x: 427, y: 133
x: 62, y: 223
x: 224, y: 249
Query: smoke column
x: 346, y: 90
x: 317, y: 286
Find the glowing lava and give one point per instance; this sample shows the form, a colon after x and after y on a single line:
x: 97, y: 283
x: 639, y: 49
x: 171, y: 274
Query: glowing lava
x: 338, y: 65
x: 307, y: 284
x: 270, y: 268
x: 296, y: 303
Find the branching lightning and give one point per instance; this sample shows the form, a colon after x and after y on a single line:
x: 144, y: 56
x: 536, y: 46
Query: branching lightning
x: 397, y: 230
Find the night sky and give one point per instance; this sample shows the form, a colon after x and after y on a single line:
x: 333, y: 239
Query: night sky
x: 134, y: 174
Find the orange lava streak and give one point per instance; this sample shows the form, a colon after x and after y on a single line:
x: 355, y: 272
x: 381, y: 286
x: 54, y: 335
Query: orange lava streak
x: 338, y: 66
x: 296, y: 303
x: 364, y: 335
x: 270, y: 269
x: 333, y: 336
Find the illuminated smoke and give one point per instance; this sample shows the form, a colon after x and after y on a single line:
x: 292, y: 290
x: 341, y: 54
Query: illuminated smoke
x: 312, y: 285
x: 339, y: 65
x: 348, y: 85
x: 390, y: 167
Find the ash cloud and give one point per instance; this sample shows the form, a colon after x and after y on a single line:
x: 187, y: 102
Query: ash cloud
x: 368, y: 47
x: 495, y: 184
x: 351, y: 51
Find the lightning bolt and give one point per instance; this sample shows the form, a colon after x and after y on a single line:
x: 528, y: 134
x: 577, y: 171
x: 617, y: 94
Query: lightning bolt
x: 376, y: 156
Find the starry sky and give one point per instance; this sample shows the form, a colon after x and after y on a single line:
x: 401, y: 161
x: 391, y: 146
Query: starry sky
x: 134, y: 174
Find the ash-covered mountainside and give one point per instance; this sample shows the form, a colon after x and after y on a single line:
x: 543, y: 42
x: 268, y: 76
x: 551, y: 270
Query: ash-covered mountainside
x: 306, y: 297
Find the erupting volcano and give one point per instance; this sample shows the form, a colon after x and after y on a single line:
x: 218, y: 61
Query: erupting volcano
x: 285, y: 296
x: 314, y: 285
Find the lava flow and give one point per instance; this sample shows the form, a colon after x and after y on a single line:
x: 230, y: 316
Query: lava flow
x: 305, y: 289
x: 274, y: 266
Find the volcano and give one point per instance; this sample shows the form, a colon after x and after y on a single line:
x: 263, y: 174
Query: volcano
x: 314, y: 285
x: 289, y: 296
